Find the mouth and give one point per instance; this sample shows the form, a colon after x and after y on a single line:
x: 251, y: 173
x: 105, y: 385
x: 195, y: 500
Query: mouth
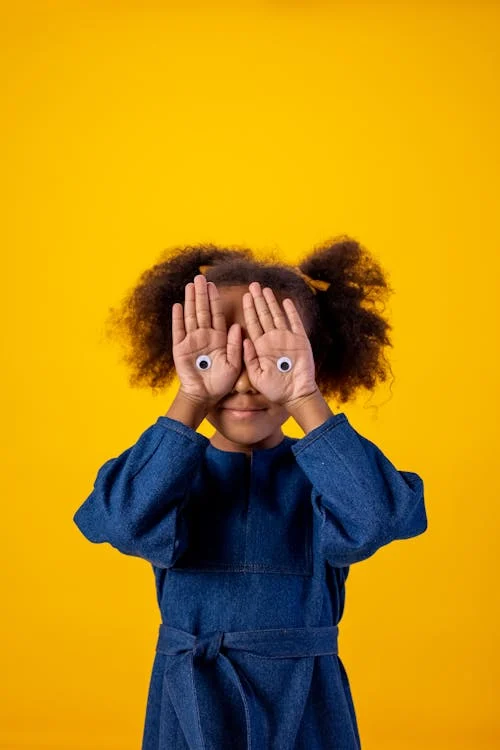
x: 243, y: 413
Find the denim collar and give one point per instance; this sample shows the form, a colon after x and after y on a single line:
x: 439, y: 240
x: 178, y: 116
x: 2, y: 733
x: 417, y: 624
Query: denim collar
x: 276, y: 450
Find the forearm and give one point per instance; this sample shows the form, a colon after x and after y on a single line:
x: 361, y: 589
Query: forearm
x: 309, y: 411
x: 137, y: 495
x: 187, y: 410
x: 366, y: 502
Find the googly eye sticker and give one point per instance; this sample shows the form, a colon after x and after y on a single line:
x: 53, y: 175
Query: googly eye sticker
x: 203, y: 362
x: 284, y: 364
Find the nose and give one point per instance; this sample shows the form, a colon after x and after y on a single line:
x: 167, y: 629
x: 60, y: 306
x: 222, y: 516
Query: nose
x: 243, y: 384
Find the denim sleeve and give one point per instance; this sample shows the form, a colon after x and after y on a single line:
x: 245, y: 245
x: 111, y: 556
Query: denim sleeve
x: 363, y: 500
x: 137, y: 500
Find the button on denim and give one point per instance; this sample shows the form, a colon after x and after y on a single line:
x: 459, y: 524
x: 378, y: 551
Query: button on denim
x: 250, y: 559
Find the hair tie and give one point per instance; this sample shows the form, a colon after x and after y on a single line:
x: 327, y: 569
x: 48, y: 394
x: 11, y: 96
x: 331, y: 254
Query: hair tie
x: 314, y: 285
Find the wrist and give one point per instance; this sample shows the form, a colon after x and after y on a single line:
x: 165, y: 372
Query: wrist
x: 188, y: 409
x: 309, y: 411
x: 199, y: 401
x: 295, y: 403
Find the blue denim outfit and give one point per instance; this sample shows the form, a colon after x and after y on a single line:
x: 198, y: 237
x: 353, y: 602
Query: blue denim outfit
x: 250, y: 556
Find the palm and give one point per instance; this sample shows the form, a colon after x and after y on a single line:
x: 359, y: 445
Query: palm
x: 222, y: 373
x: 270, y: 338
x: 200, y: 329
x: 274, y: 384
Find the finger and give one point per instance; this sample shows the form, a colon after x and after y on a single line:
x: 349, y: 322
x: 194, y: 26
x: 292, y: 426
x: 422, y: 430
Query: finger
x: 234, y: 346
x: 252, y: 362
x: 253, y: 325
x: 202, y: 304
x: 279, y: 317
x: 218, y: 317
x: 294, y: 317
x: 190, y: 322
x: 178, y: 330
x: 263, y: 311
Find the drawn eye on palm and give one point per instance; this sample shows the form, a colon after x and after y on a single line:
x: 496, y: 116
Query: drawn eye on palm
x: 284, y: 363
x: 277, y: 353
x: 205, y: 352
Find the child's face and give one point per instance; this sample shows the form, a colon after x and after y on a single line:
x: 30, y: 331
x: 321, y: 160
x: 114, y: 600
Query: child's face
x: 258, y: 429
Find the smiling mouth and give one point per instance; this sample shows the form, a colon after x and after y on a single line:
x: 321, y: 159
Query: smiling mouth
x: 242, y: 412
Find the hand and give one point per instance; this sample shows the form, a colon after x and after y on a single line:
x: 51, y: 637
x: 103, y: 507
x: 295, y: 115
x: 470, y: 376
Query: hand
x: 200, y: 329
x: 270, y: 339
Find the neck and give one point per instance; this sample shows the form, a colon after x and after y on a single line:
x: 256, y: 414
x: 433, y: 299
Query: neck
x: 220, y: 441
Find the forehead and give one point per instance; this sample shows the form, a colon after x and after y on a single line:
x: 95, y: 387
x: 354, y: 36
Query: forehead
x: 232, y: 297
x: 232, y: 304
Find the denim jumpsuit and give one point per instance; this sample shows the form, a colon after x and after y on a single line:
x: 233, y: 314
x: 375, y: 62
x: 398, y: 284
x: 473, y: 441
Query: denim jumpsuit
x: 250, y: 555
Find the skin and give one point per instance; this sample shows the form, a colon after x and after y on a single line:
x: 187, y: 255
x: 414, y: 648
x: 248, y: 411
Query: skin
x: 264, y: 429
x: 244, y: 330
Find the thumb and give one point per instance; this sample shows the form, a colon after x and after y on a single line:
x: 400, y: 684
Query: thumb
x: 250, y: 356
x: 233, y: 352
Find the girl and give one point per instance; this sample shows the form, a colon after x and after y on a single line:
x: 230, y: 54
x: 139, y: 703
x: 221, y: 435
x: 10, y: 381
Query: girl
x: 251, y: 533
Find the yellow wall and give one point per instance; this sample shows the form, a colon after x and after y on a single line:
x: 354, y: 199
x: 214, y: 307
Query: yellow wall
x: 130, y: 127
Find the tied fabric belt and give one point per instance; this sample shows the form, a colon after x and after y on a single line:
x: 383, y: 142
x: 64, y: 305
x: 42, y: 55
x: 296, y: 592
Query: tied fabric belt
x: 180, y: 676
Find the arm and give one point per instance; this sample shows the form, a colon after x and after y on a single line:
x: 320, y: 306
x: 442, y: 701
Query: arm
x: 364, y: 501
x: 138, y: 496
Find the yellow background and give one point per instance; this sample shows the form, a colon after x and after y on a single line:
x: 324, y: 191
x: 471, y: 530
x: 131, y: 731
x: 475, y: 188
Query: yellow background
x: 130, y: 127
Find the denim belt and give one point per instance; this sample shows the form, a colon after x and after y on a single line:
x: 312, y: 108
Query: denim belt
x: 180, y: 677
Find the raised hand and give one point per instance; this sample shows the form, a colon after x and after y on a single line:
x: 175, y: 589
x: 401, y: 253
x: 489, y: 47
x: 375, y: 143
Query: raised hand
x: 207, y: 359
x: 279, y: 361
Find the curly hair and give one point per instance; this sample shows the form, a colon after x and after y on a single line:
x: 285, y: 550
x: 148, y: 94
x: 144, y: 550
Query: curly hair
x: 346, y: 330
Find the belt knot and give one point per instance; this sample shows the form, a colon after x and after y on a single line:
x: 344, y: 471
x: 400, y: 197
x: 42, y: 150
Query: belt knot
x: 207, y: 645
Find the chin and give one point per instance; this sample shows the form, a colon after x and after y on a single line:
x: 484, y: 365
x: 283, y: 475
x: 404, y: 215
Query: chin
x: 239, y: 430
x: 246, y: 431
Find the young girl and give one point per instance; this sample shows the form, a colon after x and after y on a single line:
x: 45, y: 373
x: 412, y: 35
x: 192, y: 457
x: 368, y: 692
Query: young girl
x: 251, y: 533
